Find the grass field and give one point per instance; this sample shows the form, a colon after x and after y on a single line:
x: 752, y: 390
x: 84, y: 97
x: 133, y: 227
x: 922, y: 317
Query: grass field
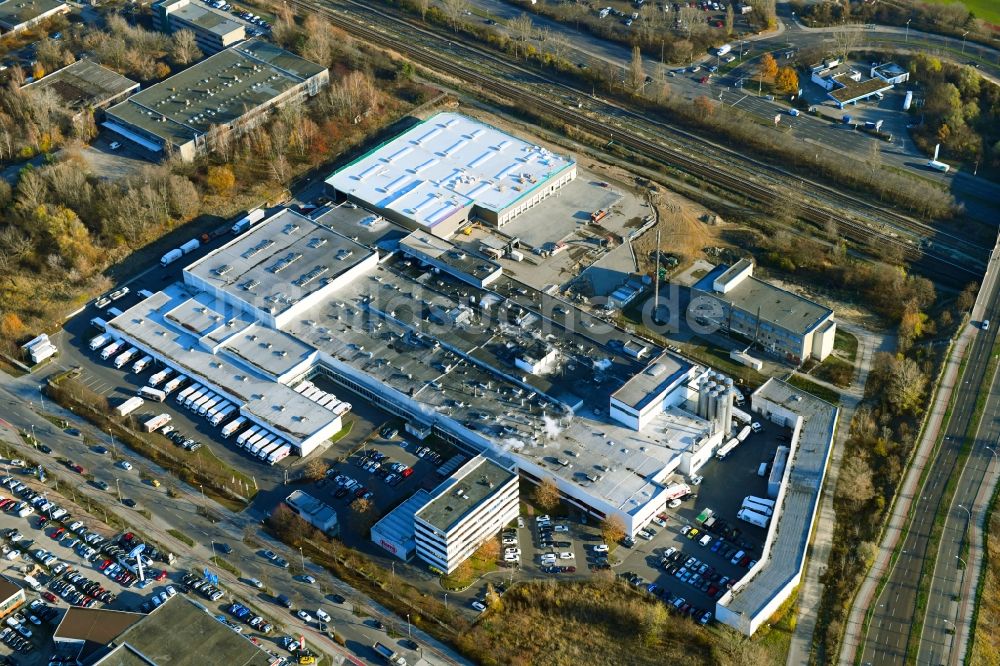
x: 988, y: 10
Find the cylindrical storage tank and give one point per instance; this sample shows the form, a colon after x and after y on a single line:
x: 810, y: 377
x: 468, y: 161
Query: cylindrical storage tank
x: 713, y: 405
x: 703, y: 397
x: 727, y: 408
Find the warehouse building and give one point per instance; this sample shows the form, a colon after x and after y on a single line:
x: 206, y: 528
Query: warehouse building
x: 449, y: 169
x: 18, y: 15
x: 229, y: 92
x: 466, y: 509
x: 495, y: 370
x: 85, y: 85
x: 214, y: 29
x: 755, y: 598
x: 395, y: 531
x: 778, y: 321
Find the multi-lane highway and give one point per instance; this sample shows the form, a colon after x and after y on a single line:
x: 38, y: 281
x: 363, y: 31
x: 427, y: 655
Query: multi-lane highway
x: 888, y: 638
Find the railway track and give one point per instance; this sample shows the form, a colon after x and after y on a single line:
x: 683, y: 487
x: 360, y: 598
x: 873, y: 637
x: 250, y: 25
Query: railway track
x: 948, y: 255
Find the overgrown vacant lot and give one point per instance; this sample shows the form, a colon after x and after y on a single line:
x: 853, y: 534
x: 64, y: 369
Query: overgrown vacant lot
x: 599, y: 622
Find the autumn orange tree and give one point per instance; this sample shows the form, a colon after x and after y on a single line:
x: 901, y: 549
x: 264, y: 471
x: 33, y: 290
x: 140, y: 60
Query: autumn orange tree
x: 768, y: 66
x: 786, y: 80
x: 220, y: 179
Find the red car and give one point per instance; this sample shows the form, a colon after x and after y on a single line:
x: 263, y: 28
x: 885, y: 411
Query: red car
x: 76, y: 468
x: 406, y: 472
x: 160, y: 576
x: 48, y: 596
x: 42, y: 520
x: 104, y: 564
x: 703, y: 79
x: 58, y: 533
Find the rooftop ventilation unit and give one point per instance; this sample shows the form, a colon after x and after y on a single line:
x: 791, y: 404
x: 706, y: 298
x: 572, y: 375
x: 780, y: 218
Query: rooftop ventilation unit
x: 251, y: 284
x: 285, y: 262
x: 222, y: 270
x: 259, y: 247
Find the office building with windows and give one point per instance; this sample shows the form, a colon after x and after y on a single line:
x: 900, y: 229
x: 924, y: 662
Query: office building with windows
x: 466, y: 509
x: 774, y: 319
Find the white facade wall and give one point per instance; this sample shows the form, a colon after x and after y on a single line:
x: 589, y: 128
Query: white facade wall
x: 507, y: 214
x: 447, y: 550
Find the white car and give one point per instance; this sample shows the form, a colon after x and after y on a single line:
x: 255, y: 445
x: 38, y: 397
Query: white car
x: 561, y: 528
x: 511, y: 557
x: 304, y: 616
x: 309, y: 580
x: 645, y: 535
x: 513, y: 551
x: 510, y: 542
x: 601, y: 548
x: 323, y: 615
x: 171, y: 590
x: 674, y: 503
x: 566, y: 555
x: 756, y: 426
x: 520, y: 521
x: 256, y: 583
x: 548, y: 558
x: 126, y: 465
x: 17, y: 463
x: 543, y: 520
x: 478, y: 606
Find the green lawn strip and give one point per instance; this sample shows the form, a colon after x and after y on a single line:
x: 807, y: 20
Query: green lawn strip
x: 847, y: 343
x: 180, y: 536
x: 835, y: 370
x: 983, y: 572
x: 343, y: 432
x: 223, y: 564
x: 812, y: 387
x: 927, y: 570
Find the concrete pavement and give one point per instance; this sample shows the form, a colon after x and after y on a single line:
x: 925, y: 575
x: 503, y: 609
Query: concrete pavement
x: 185, y: 513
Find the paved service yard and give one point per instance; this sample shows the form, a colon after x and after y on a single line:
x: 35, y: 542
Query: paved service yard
x: 725, y: 485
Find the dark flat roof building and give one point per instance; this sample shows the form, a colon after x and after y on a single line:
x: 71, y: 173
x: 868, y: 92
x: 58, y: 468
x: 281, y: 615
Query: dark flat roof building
x: 17, y: 15
x: 84, y: 85
x: 231, y: 90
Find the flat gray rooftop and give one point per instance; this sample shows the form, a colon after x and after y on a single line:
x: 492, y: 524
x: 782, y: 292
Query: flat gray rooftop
x: 805, y: 482
x: 280, y: 261
x: 84, y: 83
x: 207, y: 18
x: 183, y: 343
x: 466, y: 372
x: 215, y: 91
x: 776, y: 305
x: 644, y: 387
x: 462, y: 492
x: 462, y: 261
x: 16, y: 12
x: 361, y: 225
x: 183, y: 633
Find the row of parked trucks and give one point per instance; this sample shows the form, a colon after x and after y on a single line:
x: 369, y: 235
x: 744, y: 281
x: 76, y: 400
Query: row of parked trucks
x: 256, y: 440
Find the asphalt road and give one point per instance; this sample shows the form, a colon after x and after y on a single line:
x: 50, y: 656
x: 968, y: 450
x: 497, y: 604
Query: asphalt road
x: 20, y: 399
x: 889, y: 632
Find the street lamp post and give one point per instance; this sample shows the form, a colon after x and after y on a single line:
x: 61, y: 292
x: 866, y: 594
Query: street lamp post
x: 202, y: 489
x: 446, y: 601
x: 908, y: 30
x: 302, y: 559
x: 408, y: 634
x: 118, y: 486
x: 963, y: 41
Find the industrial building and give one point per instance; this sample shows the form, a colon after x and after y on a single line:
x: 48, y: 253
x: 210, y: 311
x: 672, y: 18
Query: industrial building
x: 85, y: 86
x: 465, y: 510
x: 846, y: 84
x: 796, y: 484
x: 780, y: 322
x: 213, y: 29
x: 890, y: 72
x: 503, y: 370
x: 229, y: 92
x: 319, y: 514
x: 449, y: 169
x: 179, y: 632
x: 18, y: 15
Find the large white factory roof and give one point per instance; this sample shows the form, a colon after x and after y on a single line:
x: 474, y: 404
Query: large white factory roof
x: 444, y: 165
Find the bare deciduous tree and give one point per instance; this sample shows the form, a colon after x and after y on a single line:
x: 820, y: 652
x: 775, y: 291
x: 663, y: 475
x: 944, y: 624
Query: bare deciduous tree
x: 454, y: 10
x: 185, y: 47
